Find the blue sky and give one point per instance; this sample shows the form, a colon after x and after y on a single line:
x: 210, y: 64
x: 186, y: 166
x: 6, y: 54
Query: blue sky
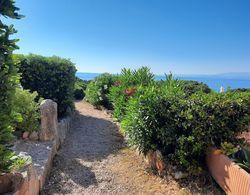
x: 182, y: 36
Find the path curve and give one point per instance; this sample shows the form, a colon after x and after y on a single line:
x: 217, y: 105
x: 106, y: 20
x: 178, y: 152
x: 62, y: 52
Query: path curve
x: 95, y: 160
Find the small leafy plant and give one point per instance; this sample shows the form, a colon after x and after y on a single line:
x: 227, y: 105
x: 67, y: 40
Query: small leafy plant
x: 242, y: 158
x: 228, y: 148
x: 10, y: 162
x: 26, y: 110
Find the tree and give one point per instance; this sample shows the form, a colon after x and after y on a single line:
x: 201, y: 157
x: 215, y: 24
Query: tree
x: 9, y: 78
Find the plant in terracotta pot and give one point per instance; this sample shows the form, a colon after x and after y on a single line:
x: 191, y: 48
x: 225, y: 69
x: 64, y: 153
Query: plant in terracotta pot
x: 10, y: 166
x: 242, y: 158
x: 230, y: 167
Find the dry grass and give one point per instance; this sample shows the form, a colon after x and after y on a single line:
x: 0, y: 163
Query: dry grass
x: 132, y: 171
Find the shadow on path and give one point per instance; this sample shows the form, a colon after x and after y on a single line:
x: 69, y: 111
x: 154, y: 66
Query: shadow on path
x: 89, y: 142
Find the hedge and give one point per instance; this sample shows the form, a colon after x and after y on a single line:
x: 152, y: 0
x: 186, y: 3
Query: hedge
x: 52, y: 77
x: 183, y: 127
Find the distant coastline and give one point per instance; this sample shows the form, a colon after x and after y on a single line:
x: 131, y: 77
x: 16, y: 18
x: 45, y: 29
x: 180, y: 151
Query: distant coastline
x: 232, y: 80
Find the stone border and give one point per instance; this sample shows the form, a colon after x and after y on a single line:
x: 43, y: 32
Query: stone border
x: 51, y: 136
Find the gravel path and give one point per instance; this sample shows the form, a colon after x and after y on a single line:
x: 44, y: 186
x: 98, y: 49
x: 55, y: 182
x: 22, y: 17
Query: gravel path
x: 95, y: 160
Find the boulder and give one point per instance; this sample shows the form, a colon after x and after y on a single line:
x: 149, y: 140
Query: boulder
x: 34, y: 136
x: 180, y: 175
x: 155, y: 160
x: 25, y: 135
x: 48, y: 131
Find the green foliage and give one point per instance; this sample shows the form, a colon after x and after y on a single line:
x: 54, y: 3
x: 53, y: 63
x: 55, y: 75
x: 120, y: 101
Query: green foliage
x: 191, y: 87
x: 228, y: 148
x: 8, y: 82
x: 79, y: 89
x: 125, y: 87
x: 8, y: 9
x: 240, y: 90
x: 163, y: 117
x: 97, y: 90
x: 27, y: 111
x: 145, y: 120
x: 52, y: 77
x: 9, y: 161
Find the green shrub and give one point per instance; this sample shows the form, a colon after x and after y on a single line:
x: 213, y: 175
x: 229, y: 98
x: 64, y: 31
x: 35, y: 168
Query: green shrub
x: 191, y: 87
x: 125, y: 87
x: 52, y: 77
x: 79, y: 89
x: 239, y: 90
x: 183, y: 127
x: 97, y: 90
x: 145, y: 121
x: 27, y: 110
x: 9, y: 80
x: 214, y: 119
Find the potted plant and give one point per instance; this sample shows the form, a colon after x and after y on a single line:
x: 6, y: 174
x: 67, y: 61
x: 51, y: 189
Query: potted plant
x: 229, y: 173
x: 10, y: 167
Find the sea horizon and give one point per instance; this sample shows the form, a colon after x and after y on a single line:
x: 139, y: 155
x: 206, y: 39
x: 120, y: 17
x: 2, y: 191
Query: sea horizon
x: 214, y: 81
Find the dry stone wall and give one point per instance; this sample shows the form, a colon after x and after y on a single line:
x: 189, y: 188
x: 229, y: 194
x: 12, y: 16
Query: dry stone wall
x: 51, y: 135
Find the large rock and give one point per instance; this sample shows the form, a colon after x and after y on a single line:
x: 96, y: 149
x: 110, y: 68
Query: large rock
x: 33, y: 136
x: 180, y: 175
x: 48, y: 131
x: 25, y: 135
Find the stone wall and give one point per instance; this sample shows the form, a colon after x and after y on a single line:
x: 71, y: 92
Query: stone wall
x: 51, y: 136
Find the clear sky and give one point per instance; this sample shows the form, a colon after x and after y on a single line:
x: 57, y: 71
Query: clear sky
x: 184, y: 36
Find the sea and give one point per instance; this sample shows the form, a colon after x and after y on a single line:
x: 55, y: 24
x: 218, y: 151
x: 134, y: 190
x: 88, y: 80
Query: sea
x: 226, y: 80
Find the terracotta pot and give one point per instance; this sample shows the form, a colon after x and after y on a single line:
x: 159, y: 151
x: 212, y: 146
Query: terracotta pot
x: 231, y: 178
x: 6, y: 184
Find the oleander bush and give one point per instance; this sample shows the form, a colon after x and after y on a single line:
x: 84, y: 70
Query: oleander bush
x: 97, y: 90
x: 79, y: 89
x: 126, y: 86
x: 26, y: 111
x: 182, y: 127
x: 52, y: 77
